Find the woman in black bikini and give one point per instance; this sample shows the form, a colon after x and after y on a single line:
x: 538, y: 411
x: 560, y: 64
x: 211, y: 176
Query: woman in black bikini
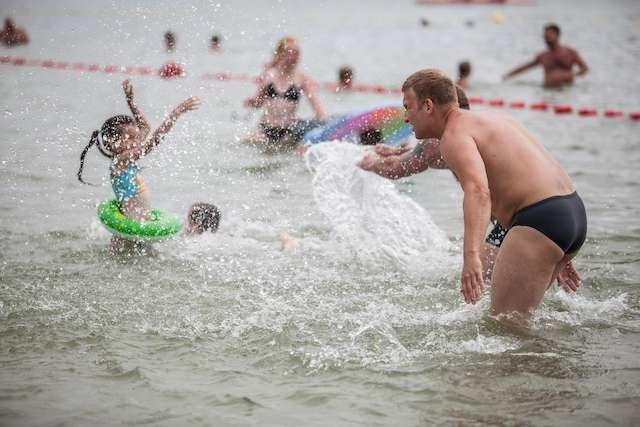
x: 281, y: 86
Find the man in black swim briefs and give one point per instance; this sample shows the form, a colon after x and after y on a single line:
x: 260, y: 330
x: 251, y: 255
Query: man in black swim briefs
x: 399, y: 162
x: 508, y: 175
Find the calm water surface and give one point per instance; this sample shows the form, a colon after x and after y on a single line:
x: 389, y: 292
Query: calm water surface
x: 363, y: 323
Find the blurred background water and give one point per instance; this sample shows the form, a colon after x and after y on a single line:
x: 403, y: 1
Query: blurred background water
x: 362, y: 324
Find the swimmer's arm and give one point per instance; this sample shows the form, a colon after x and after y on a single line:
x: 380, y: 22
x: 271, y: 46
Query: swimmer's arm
x: 524, y: 67
x: 257, y: 101
x: 430, y: 149
x: 386, y: 150
x: 309, y: 88
x: 583, y: 68
x: 462, y: 155
x: 424, y: 156
x: 134, y: 154
x: 394, y: 166
x: 139, y: 118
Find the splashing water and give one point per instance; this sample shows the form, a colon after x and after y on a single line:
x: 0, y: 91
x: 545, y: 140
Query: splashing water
x: 368, y: 213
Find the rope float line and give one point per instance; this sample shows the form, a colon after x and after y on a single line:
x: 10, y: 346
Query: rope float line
x: 173, y: 69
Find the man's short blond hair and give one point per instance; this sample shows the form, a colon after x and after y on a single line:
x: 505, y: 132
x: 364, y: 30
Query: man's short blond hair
x: 432, y: 84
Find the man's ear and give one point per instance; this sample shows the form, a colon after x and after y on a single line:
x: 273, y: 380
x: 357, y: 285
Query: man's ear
x: 428, y: 105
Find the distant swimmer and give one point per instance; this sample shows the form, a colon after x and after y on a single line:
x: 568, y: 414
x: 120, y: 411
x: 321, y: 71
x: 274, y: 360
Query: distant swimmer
x: 12, y: 35
x: 506, y: 174
x: 464, y: 71
x: 558, y: 62
x: 280, y: 89
x: 215, y: 43
x: 169, y: 41
x: 345, y: 78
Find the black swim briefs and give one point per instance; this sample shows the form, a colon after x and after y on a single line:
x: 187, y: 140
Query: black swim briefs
x: 563, y: 219
x: 496, y: 235
x: 294, y: 132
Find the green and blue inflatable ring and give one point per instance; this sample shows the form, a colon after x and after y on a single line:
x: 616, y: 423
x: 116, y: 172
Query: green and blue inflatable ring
x: 161, y: 226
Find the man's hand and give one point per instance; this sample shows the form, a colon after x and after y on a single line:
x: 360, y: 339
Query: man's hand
x: 385, y: 150
x: 369, y: 160
x: 568, y: 277
x: 471, y: 281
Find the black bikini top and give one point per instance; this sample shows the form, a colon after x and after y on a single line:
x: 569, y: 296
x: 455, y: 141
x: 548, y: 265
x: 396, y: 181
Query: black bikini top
x: 291, y: 94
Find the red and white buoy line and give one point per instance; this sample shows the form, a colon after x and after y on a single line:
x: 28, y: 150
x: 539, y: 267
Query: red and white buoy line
x: 173, y: 69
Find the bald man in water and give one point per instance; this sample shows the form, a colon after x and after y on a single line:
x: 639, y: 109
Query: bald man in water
x: 558, y: 62
x: 507, y: 174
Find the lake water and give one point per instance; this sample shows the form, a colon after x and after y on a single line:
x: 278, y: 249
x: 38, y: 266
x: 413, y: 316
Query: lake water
x: 362, y: 324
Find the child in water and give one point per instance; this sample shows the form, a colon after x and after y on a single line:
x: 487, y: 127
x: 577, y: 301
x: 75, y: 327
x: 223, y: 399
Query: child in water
x: 124, y: 140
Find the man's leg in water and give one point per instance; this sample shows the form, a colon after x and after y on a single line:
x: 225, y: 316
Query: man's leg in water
x: 525, y: 266
x: 566, y: 273
x: 488, y: 258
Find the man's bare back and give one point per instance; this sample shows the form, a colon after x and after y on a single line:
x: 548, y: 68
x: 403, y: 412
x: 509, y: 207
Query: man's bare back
x: 520, y: 171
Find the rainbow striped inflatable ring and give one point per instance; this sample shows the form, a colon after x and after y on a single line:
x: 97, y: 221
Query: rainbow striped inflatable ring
x: 387, y: 119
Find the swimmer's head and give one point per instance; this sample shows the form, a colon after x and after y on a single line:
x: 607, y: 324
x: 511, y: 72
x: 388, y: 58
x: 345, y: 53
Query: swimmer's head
x: 370, y: 136
x: 170, y: 41
x: 428, y: 96
x: 215, y: 42
x: 116, y: 134
x: 287, y: 51
x: 345, y: 76
x: 431, y: 84
x: 9, y: 24
x: 464, y: 69
x: 202, y: 217
x: 551, y: 34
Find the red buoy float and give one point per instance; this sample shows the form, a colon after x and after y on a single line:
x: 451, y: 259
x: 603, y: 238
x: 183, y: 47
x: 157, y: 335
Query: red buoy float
x: 171, y: 69
x: 634, y: 115
x: 540, y: 105
x: 613, y: 113
x: 496, y: 102
x: 562, y: 108
x: 516, y: 104
x: 587, y: 111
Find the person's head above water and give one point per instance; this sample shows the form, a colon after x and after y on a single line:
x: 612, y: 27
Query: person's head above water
x: 116, y: 134
x: 371, y: 136
x: 215, y: 43
x: 428, y: 96
x: 202, y: 217
x: 431, y: 84
x: 9, y: 25
x: 551, y: 35
x: 286, y: 53
x: 345, y: 77
x: 169, y: 41
x: 464, y: 69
